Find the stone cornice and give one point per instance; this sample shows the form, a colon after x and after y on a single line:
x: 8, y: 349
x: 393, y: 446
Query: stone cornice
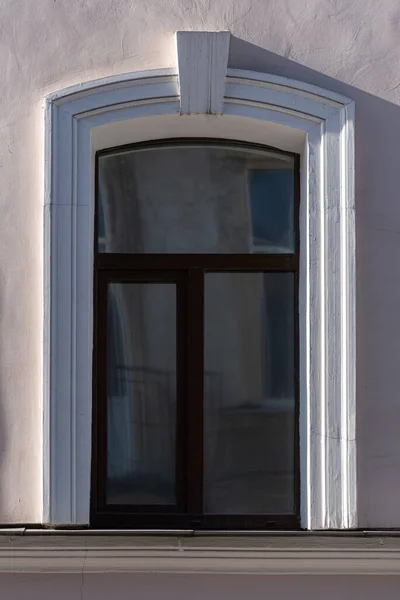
x: 27, y: 551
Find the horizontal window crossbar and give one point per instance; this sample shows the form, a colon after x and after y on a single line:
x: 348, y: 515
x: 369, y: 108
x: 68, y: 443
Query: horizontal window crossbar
x: 155, y: 520
x: 208, y: 262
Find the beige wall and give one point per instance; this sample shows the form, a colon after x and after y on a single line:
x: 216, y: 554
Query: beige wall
x: 349, y: 46
x: 182, y: 587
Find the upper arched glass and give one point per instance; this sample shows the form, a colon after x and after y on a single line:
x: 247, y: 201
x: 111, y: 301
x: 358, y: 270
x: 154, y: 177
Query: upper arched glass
x: 188, y: 196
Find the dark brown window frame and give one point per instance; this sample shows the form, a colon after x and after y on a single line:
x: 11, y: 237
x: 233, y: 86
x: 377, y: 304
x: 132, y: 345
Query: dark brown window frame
x: 187, y: 271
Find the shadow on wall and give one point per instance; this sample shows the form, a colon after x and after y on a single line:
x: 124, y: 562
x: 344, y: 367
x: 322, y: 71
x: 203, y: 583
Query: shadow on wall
x: 377, y: 135
x: 4, y: 442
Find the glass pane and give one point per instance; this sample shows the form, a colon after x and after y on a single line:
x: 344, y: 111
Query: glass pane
x: 141, y: 402
x: 272, y: 209
x: 249, y: 419
x: 196, y: 199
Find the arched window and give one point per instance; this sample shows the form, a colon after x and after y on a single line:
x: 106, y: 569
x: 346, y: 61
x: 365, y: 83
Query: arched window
x: 198, y: 417
x: 194, y: 253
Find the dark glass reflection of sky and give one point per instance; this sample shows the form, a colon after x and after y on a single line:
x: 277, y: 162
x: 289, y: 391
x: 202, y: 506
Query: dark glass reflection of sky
x: 271, y: 193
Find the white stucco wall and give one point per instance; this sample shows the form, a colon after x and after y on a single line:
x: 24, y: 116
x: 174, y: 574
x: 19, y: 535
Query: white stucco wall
x: 350, y: 47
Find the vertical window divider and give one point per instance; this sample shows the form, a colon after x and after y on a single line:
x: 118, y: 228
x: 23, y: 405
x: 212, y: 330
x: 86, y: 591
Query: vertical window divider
x: 182, y: 392
x: 195, y: 392
x: 101, y: 387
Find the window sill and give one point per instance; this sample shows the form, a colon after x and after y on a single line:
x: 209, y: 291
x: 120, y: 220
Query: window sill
x: 306, y: 553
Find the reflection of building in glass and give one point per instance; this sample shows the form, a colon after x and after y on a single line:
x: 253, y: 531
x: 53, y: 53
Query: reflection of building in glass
x: 202, y: 200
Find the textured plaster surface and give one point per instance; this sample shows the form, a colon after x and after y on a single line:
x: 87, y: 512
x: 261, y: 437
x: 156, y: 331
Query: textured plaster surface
x: 166, y: 587
x: 348, y: 46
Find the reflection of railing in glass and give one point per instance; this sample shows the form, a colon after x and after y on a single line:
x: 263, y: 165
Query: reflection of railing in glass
x: 142, y: 430
x: 149, y: 409
x: 249, y: 335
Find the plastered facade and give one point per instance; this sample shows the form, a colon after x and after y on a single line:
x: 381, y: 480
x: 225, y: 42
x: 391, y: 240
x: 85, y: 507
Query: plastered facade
x: 347, y: 47
x: 99, y: 587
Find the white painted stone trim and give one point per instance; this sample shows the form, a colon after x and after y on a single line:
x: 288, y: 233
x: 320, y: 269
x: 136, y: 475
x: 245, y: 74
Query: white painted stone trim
x: 202, y: 62
x: 327, y: 294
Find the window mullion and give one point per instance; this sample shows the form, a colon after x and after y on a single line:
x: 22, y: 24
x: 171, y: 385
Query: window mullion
x: 100, y: 391
x: 195, y: 388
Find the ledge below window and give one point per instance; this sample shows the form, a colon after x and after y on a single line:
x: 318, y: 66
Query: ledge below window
x: 76, y: 551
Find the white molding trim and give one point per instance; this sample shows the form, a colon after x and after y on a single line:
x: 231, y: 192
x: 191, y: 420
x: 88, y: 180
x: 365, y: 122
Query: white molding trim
x: 202, y: 61
x: 115, y: 554
x: 257, y: 107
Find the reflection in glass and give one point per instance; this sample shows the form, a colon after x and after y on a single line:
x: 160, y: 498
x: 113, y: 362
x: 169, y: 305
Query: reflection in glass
x: 272, y: 209
x: 200, y: 198
x: 141, y: 402
x: 249, y: 415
